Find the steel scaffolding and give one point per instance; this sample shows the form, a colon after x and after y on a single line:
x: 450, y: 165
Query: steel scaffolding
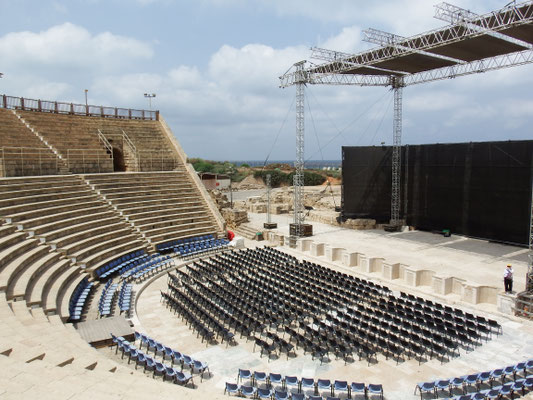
x: 298, y: 180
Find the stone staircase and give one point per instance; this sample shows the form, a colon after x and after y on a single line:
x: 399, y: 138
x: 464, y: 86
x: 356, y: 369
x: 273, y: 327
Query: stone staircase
x: 63, y: 167
x: 248, y: 232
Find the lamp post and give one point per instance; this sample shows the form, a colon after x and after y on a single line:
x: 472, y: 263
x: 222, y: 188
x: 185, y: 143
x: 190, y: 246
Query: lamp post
x: 86, y: 104
x: 149, y: 96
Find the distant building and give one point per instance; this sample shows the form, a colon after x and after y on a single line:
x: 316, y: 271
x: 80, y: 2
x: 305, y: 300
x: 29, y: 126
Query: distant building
x: 215, y: 181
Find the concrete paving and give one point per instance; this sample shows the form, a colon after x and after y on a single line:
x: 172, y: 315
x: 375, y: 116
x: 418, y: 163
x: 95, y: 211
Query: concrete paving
x: 477, y: 261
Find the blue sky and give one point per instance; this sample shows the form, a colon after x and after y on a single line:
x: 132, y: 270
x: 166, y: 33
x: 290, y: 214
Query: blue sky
x: 214, y: 66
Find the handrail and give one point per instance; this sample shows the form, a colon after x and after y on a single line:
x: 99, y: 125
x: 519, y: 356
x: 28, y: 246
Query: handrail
x: 129, y: 142
x: 126, y: 139
x: 105, y: 142
x: 56, y: 107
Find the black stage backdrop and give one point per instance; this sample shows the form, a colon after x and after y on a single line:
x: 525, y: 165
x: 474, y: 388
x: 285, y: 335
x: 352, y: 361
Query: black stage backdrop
x: 476, y: 189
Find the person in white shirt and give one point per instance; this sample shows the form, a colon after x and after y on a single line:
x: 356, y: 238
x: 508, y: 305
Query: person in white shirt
x: 508, y: 279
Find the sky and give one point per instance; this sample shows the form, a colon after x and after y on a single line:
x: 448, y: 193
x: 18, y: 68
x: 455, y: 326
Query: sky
x: 214, y: 67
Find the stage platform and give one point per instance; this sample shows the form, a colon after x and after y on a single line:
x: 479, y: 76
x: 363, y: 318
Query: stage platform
x: 98, y: 332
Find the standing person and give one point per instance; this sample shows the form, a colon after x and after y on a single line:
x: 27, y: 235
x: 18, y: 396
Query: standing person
x: 508, y: 279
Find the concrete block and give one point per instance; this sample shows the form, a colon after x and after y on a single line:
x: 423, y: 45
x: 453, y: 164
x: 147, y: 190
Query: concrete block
x: 364, y: 263
x: 391, y: 271
x: 334, y: 253
x: 505, y: 303
x: 350, y: 259
x: 375, y: 264
x: 317, y: 249
x: 237, y: 242
x: 442, y: 285
x: 304, y: 244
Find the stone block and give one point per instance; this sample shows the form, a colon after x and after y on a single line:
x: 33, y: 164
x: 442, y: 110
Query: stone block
x: 317, y: 249
x: 505, y: 303
x: 391, y: 271
x: 334, y: 253
x: 350, y: 259
x: 442, y: 285
x: 304, y: 244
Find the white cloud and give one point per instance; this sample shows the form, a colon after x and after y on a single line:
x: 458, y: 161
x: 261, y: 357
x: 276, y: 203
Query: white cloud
x: 70, y: 46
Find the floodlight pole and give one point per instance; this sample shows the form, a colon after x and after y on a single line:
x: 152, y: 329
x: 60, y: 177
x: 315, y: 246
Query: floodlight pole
x: 397, y: 87
x: 298, y: 180
x: 149, y: 96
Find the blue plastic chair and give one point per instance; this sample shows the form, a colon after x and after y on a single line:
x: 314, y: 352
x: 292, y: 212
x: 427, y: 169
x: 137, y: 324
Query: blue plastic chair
x: 248, y: 391
x: 324, y: 384
x: 373, y: 388
x: 264, y: 393
x: 291, y: 381
x: 307, y: 383
x: 232, y: 388
x: 183, y: 378
x: 244, y: 374
x: 274, y: 379
x: 340, y: 386
x: 357, y: 387
x: 280, y: 395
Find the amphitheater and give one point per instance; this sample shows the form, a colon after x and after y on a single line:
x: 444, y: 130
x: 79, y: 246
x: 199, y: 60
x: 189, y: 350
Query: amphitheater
x: 117, y: 282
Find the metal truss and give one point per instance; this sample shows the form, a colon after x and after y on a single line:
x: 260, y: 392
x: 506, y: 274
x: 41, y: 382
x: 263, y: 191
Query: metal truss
x: 496, y: 21
x: 454, y: 71
x: 396, y: 153
x: 382, y: 38
x: 449, y: 13
x: 298, y: 180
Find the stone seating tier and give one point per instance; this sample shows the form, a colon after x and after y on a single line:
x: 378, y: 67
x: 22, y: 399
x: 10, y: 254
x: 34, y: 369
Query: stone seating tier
x: 62, y: 227
x: 91, y: 230
x: 12, y: 271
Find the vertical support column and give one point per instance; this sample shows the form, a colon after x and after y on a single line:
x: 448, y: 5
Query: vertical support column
x: 397, y: 85
x: 268, y: 182
x: 529, y: 277
x: 298, y: 180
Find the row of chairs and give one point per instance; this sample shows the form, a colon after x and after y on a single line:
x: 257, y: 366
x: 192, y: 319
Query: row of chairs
x: 175, y: 356
x: 194, y: 249
x: 78, y: 299
x: 284, y: 384
x: 215, y: 307
x: 504, y: 376
x: 105, y: 304
x: 198, y: 320
x: 172, y: 244
x: 151, y: 364
x: 238, y: 296
x: 108, y: 269
x: 124, y: 297
x: 147, y: 268
x: 517, y: 388
x: 436, y: 345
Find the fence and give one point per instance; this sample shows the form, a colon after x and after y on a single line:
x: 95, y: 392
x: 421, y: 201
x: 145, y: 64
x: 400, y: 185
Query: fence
x: 81, y: 161
x: 157, y: 161
x: 21, y: 103
x: 28, y: 161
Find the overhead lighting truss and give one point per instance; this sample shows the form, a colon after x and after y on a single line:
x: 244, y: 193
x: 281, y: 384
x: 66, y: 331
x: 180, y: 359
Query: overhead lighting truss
x: 395, y: 47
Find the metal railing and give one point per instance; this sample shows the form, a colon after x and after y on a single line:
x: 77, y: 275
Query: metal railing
x: 27, y: 161
x: 56, y: 107
x: 157, y: 161
x: 105, y: 142
x: 81, y: 161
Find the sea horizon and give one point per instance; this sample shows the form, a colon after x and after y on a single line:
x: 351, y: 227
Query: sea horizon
x: 308, y: 164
